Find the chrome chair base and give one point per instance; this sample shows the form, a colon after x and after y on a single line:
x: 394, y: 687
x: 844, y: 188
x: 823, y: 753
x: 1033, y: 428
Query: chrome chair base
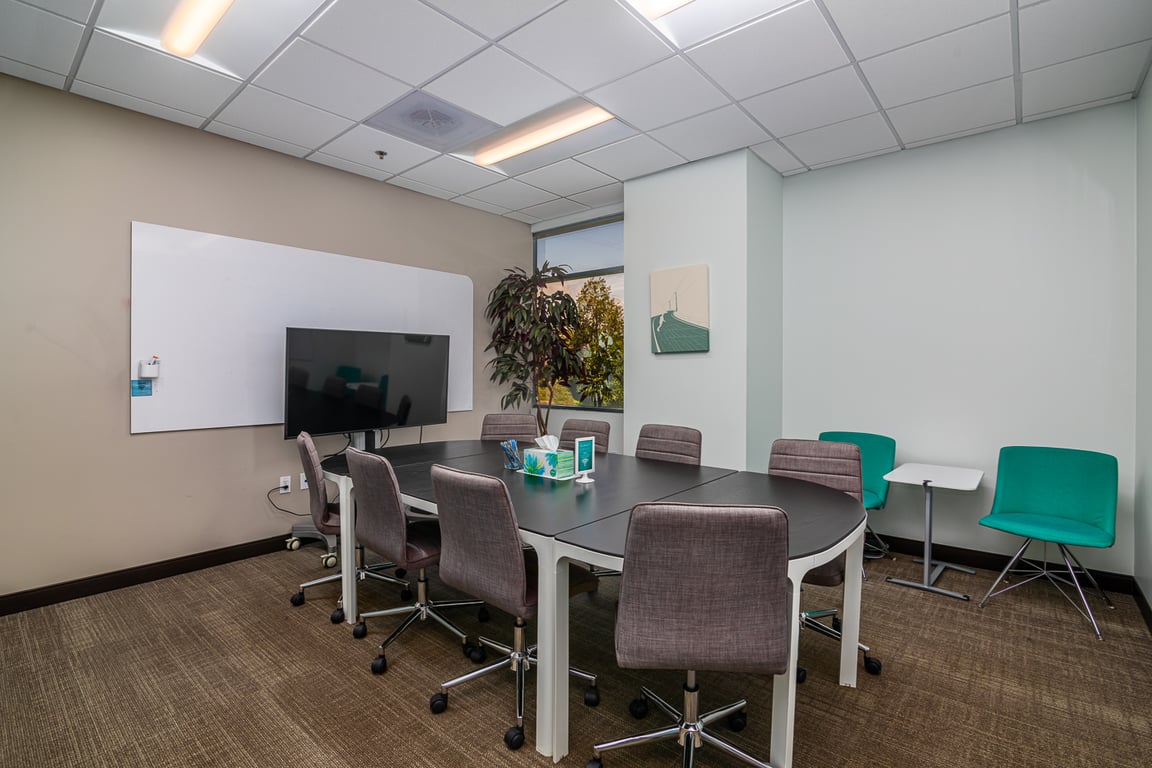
x: 1034, y: 571
x: 690, y: 730
x: 422, y: 610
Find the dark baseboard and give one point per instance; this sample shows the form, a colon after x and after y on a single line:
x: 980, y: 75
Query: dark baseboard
x: 1145, y: 609
x: 105, y: 582
x: 1111, y: 582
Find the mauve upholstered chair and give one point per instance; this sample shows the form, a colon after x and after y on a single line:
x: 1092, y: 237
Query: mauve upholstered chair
x: 520, y: 427
x: 574, y: 428
x: 481, y: 554
x: 742, y: 625
x: 665, y: 442
x: 383, y: 526
x: 835, y: 465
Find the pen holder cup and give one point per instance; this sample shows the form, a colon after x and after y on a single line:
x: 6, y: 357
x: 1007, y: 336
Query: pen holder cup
x: 148, y: 371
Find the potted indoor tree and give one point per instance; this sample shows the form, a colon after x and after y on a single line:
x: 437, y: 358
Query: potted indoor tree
x: 532, y: 333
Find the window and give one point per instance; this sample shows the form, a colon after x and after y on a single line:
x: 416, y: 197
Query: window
x: 594, y: 256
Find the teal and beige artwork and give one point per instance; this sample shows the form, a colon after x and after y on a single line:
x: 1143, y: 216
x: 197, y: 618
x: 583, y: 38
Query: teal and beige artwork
x: 679, y: 314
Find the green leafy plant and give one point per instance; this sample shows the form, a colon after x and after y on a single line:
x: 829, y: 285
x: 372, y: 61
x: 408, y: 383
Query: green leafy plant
x: 532, y: 332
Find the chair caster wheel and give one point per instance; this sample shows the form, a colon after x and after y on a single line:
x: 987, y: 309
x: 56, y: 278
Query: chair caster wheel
x: 477, y: 653
x: 405, y: 595
x: 638, y: 708
x: 514, y: 737
x: 872, y: 665
x: 438, y: 703
x: 482, y: 615
x: 328, y: 561
x: 401, y: 573
x: 801, y: 675
x: 360, y: 630
x: 737, y: 721
x: 292, y: 543
x: 591, y: 696
x: 298, y: 599
x: 380, y: 666
x: 337, y: 616
x: 594, y: 763
x: 837, y: 624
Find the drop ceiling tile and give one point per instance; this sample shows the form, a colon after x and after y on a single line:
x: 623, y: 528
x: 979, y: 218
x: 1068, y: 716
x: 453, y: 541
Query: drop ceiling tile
x: 782, y: 48
x: 853, y: 158
x: 710, y: 134
x: 77, y: 10
x: 145, y: 73
x: 479, y: 205
x: 555, y: 209
x: 37, y: 38
x: 1060, y: 30
x: 877, y: 26
x: 424, y: 189
x: 270, y: 114
x: 587, y: 43
x: 692, y: 23
x: 33, y: 74
x: 524, y: 217
x: 852, y: 138
x: 565, y: 178
x: 812, y: 103
x: 601, y: 196
x: 87, y: 90
x: 360, y: 145
x: 493, y: 18
x: 591, y: 138
x: 1103, y: 75
x: 631, y: 158
x: 249, y: 137
x: 961, y: 134
x: 512, y: 194
x: 658, y: 95
x: 344, y: 165
x: 404, y: 38
x: 1076, y: 108
x: 306, y: 72
x: 777, y: 156
x: 454, y: 175
x: 954, y: 112
x: 973, y: 55
x: 498, y: 86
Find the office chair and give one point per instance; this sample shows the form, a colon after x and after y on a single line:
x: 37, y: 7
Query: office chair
x: 574, y: 428
x: 680, y: 445
x: 348, y: 372
x: 877, y: 458
x: 664, y: 622
x: 1062, y: 496
x: 368, y: 396
x: 335, y: 387
x: 835, y: 465
x: 520, y: 427
x: 326, y: 523
x: 402, y: 410
x: 383, y: 526
x: 481, y: 554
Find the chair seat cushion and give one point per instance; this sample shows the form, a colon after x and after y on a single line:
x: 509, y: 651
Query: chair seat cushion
x: 1048, y: 528
x: 329, y: 522
x: 423, y: 544
x: 871, y: 500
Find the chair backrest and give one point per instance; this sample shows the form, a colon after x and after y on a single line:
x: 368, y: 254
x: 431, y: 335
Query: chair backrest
x: 574, y: 428
x: 367, y: 396
x: 877, y: 458
x: 348, y: 372
x: 325, y: 514
x: 403, y: 409
x: 335, y: 386
x: 1058, y: 482
x: 381, y: 523
x: 741, y: 553
x: 664, y: 442
x: 520, y: 427
x: 480, y: 548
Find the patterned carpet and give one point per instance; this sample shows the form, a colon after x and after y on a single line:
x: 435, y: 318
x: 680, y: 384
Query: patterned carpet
x: 216, y: 668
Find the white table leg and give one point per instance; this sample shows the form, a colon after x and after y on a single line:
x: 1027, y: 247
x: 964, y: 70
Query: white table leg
x: 552, y: 649
x: 850, y: 615
x: 784, y: 689
x: 347, y: 546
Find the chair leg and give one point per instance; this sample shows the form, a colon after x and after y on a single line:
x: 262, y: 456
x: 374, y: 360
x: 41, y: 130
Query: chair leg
x: 422, y: 610
x: 808, y: 619
x: 1083, y: 599
x: 1004, y: 574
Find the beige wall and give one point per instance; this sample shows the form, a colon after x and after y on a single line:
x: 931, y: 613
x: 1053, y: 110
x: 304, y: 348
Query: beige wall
x: 82, y: 495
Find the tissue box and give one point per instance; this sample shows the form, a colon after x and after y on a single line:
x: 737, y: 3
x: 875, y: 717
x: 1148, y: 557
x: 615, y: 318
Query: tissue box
x: 543, y: 463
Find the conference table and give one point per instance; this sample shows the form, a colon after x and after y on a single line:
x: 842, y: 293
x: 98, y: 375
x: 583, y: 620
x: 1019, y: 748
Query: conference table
x: 588, y: 523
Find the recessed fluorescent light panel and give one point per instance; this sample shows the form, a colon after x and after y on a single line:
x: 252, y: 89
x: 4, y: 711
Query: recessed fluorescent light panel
x: 543, y: 129
x: 654, y: 9
x: 191, y: 23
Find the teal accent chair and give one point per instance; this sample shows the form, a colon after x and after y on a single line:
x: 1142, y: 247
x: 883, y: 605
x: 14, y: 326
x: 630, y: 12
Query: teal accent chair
x: 877, y: 458
x: 1062, y: 496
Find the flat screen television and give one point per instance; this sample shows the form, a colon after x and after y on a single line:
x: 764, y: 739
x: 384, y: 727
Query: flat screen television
x: 338, y: 381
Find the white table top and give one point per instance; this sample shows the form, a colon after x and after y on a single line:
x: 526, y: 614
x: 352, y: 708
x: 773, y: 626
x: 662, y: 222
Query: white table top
x: 955, y: 478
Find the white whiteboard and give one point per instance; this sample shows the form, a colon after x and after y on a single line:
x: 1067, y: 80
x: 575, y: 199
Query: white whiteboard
x: 214, y: 310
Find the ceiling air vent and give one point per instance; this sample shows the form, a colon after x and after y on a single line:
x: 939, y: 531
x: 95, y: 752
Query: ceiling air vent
x: 431, y: 123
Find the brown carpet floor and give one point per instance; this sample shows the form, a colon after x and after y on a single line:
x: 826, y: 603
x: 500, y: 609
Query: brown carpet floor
x: 216, y: 668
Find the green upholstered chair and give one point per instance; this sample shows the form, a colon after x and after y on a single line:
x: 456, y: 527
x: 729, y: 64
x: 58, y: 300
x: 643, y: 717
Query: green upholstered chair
x: 877, y: 458
x: 1062, y: 496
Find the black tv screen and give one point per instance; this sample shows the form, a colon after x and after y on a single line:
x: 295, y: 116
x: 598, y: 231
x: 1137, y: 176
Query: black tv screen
x: 339, y: 382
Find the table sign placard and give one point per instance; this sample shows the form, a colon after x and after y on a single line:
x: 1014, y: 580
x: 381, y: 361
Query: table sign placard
x: 585, y: 458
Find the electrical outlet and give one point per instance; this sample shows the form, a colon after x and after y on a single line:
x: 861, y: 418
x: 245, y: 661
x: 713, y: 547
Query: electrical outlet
x: 286, y: 484
x: 303, y: 481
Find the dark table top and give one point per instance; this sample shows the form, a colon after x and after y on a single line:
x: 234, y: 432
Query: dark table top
x: 818, y: 517
x: 400, y: 455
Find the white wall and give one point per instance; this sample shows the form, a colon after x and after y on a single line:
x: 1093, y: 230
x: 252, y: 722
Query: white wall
x: 1142, y: 511
x: 970, y: 295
